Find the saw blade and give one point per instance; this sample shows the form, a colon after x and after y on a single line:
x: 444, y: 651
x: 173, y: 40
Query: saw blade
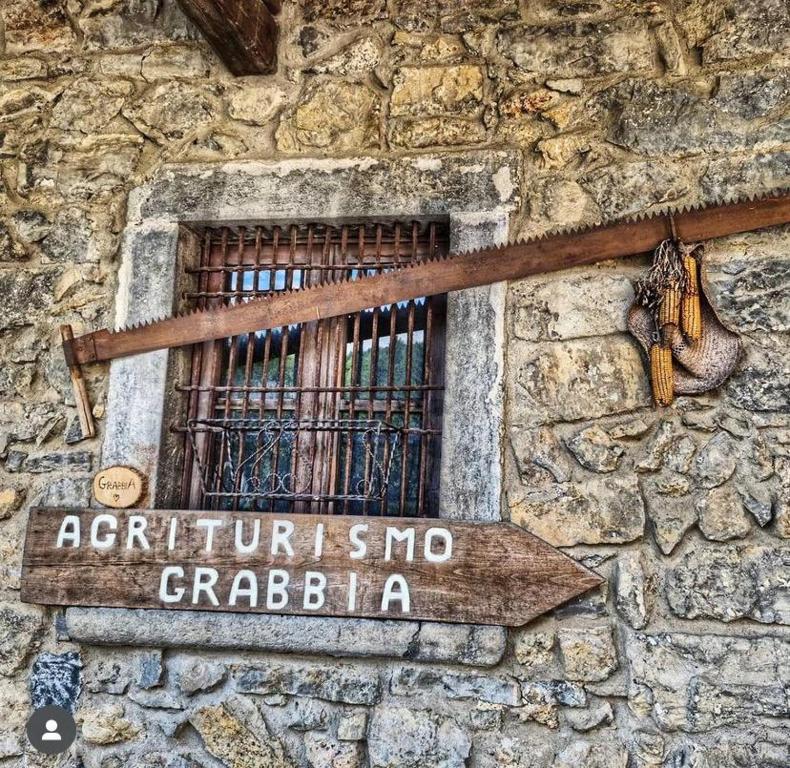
x: 542, y: 254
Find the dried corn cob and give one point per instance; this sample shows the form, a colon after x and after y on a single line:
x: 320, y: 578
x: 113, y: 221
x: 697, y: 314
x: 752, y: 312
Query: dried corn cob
x: 691, y: 311
x: 661, y: 374
x: 669, y: 309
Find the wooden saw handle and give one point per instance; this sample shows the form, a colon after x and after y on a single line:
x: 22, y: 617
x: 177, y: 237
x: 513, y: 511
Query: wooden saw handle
x: 84, y: 411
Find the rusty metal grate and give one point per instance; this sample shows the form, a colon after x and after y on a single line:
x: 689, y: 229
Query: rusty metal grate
x: 334, y: 416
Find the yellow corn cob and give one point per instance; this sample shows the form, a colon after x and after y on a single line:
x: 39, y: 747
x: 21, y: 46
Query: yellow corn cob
x: 661, y: 374
x: 669, y: 310
x: 691, y: 312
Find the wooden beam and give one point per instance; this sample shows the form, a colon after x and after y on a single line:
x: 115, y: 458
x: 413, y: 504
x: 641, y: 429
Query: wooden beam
x: 242, y: 32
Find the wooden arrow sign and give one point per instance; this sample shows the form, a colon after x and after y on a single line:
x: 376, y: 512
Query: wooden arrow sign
x: 324, y: 565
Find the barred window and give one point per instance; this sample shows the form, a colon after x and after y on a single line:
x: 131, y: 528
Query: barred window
x: 341, y: 415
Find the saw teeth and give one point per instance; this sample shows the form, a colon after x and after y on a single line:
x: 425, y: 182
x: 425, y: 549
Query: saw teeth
x: 572, y: 229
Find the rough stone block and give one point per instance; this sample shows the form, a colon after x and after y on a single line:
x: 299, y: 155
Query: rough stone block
x: 588, y: 654
x: 722, y: 515
x: 595, y: 450
x: 353, y: 726
x: 414, y: 681
x: 580, y: 49
x: 322, y: 750
x: 423, y: 133
x: 585, y: 755
x: 459, y: 16
x: 424, y: 91
x: 509, y: 752
x: 751, y: 28
x: 702, y: 682
x: 338, y: 682
x: 20, y: 629
x: 174, y: 61
x: 577, y: 304
x: 332, y: 115
x: 10, y: 248
x: 170, y: 110
x: 37, y: 27
x: 236, y: 734
x: 25, y: 293
x: 414, y: 739
x: 577, y: 379
x: 55, y: 679
x: 625, y: 190
x: 150, y: 670
x: 750, y: 95
x: 89, y: 107
x: 599, y: 511
x: 745, y: 175
x: 655, y: 119
x: 480, y: 646
x: 759, y: 382
x: 716, y: 461
x: 543, y: 699
x: 631, y: 590
x: 106, y: 725
x: 197, y: 675
x: 731, y: 583
x: 255, y: 104
x: 534, y: 650
x: 745, y: 279
x: 135, y: 24
x: 77, y: 461
x: 344, y: 12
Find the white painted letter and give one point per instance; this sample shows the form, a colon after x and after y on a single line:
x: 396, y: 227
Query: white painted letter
x: 109, y: 539
x: 446, y: 537
x: 352, y: 591
x: 171, y: 540
x: 319, y: 540
x: 396, y: 580
x: 69, y: 531
x: 137, y: 526
x: 251, y: 591
x: 205, y: 579
x: 281, y: 533
x: 360, y: 548
x: 277, y: 589
x: 314, y: 585
x: 210, y: 525
x: 393, y: 534
x: 246, y: 549
x: 164, y: 595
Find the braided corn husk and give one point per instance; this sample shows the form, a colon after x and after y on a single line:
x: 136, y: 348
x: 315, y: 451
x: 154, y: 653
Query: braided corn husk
x: 661, y: 374
x: 669, y: 309
x: 690, y: 308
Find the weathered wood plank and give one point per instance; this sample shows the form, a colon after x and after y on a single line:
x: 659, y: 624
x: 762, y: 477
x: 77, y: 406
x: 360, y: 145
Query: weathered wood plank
x: 242, y: 32
x: 467, y: 270
x: 326, y: 565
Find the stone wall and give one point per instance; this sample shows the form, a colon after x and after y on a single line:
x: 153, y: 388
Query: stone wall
x: 616, y: 107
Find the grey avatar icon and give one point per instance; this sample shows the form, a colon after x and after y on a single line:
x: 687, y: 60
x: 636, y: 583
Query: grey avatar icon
x: 51, y: 730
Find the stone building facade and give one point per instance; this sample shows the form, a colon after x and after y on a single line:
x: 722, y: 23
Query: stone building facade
x: 118, y: 124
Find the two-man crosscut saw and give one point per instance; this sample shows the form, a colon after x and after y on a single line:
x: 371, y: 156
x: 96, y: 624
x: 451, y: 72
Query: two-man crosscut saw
x: 546, y: 253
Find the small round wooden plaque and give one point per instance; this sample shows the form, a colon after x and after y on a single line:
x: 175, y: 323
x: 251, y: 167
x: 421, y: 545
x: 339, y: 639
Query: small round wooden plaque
x: 118, y: 487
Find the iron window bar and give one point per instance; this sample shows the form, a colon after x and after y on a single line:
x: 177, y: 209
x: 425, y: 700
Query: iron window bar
x: 311, y: 383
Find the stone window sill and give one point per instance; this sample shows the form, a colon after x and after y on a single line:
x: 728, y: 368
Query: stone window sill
x: 469, y: 644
